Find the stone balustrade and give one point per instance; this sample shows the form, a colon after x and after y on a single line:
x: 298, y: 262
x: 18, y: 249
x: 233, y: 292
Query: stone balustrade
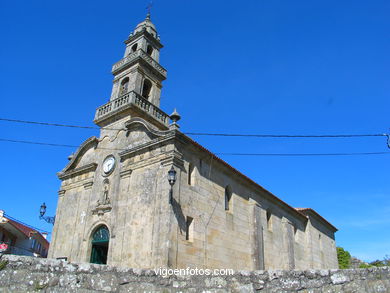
x: 131, y: 99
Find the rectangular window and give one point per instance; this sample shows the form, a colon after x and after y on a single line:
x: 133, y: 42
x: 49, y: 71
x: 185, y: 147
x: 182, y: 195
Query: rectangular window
x: 228, y: 197
x: 189, y: 229
x: 269, y: 220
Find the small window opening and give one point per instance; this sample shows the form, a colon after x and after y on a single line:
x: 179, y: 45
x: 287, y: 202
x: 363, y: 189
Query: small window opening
x: 200, y: 166
x: 190, y: 174
x: 269, y: 220
x: 134, y: 48
x: 147, y: 87
x: 189, y: 229
x: 124, y: 86
x: 228, y: 197
x: 149, y: 50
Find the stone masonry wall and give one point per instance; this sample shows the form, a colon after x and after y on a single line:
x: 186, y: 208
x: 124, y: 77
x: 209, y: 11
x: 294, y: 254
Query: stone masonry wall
x: 28, y: 274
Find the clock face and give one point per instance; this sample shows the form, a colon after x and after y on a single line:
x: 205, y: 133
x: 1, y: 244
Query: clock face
x: 108, y: 164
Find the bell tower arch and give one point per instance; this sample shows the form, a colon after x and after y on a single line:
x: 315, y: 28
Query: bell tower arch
x: 138, y: 78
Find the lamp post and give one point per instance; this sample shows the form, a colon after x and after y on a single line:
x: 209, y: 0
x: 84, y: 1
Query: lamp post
x: 42, y: 212
x: 171, y: 180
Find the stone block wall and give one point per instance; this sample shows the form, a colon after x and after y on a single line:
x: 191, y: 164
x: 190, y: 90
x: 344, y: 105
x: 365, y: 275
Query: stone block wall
x: 28, y: 274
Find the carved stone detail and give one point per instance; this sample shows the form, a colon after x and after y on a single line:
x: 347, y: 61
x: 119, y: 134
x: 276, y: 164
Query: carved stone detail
x: 88, y: 185
x: 133, y: 57
x: 103, y: 205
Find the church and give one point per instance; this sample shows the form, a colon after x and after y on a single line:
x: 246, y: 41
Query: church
x: 144, y: 195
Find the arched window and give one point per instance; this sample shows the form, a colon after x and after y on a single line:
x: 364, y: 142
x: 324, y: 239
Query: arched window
x: 228, y: 197
x: 124, y: 86
x: 100, y: 240
x: 134, y: 48
x: 149, y: 50
x: 146, y: 88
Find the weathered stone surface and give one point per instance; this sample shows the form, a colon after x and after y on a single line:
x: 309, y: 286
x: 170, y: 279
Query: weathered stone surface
x: 27, y: 274
x: 130, y: 197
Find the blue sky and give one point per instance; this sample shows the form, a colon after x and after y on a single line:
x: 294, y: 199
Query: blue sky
x: 270, y: 67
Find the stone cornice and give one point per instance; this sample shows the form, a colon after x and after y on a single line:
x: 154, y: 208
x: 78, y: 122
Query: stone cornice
x: 139, y: 56
x: 78, y: 171
x: 310, y: 212
x: 174, y: 158
x: 147, y: 35
x: 86, y: 183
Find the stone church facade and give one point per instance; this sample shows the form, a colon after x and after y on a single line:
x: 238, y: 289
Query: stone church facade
x: 116, y: 205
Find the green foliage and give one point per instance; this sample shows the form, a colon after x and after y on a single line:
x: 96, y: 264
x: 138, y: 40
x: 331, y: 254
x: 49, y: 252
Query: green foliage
x: 376, y: 263
x: 386, y: 260
x: 39, y: 286
x: 3, y: 264
x: 344, y: 258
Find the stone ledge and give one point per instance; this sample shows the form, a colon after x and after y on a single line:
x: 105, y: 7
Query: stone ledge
x: 28, y: 274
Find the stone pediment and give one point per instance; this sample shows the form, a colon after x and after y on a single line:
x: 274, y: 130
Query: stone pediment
x: 90, y: 143
x: 137, y: 132
x: 77, y: 171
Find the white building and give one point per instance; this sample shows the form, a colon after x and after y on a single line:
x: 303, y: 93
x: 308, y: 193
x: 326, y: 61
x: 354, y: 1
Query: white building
x: 21, y: 239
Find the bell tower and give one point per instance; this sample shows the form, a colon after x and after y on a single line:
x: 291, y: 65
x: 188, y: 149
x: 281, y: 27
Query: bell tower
x: 138, y: 78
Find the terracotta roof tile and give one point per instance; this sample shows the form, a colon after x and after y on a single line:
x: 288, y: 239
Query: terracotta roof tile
x: 28, y: 232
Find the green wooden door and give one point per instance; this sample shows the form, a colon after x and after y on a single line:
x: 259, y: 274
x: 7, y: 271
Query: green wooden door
x: 100, y: 241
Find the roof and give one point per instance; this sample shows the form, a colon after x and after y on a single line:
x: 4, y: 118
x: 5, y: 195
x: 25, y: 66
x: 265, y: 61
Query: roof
x: 305, y: 211
x: 290, y: 208
x: 147, y: 25
x: 297, y: 211
x: 28, y: 231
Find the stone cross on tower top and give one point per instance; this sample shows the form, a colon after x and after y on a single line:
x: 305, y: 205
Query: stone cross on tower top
x: 149, y: 8
x: 138, y: 78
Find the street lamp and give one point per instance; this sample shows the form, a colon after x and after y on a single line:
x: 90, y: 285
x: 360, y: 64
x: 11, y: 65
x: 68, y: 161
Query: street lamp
x: 42, y: 212
x: 171, y: 180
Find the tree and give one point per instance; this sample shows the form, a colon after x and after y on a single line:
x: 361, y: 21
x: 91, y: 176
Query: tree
x: 377, y: 263
x: 344, y: 258
x: 386, y: 260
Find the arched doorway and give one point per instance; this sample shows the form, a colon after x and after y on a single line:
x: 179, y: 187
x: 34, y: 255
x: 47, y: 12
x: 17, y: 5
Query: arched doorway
x: 100, y: 239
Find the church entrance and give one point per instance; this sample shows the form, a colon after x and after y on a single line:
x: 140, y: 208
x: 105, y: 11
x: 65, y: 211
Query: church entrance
x: 100, y: 241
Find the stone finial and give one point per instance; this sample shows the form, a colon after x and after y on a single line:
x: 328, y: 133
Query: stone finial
x: 174, y: 117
